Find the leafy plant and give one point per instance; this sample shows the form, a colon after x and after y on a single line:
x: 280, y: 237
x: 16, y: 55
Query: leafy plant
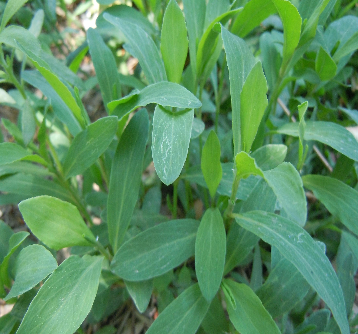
x: 208, y: 105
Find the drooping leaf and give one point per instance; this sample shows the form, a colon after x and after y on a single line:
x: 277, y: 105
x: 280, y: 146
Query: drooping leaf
x: 174, y: 41
x: 167, y: 94
x: 327, y: 133
x: 246, y: 311
x: 143, y: 47
x: 183, y: 315
x: 210, y: 163
x: 33, y: 264
x: 325, y: 66
x: 156, y: 250
x: 56, y: 223
x: 141, y: 293
x: 170, y: 142
x: 297, y: 246
x: 253, y: 102
x: 270, y: 156
x: 88, y: 145
x: 68, y: 294
x: 210, y: 250
x: 127, y: 168
x: 340, y: 199
x: 105, y: 66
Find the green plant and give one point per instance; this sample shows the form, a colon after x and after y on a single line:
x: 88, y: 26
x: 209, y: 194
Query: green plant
x: 258, y: 258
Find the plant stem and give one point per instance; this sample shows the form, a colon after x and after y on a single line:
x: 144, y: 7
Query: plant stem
x: 100, y: 248
x: 232, y: 200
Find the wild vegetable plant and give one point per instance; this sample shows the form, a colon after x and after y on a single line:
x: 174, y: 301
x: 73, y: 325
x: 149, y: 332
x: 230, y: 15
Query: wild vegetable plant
x: 236, y: 105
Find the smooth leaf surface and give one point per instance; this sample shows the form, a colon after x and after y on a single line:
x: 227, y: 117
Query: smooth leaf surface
x: 183, y: 315
x: 325, y: 66
x: 12, y: 6
x: 247, y: 313
x: 297, y: 246
x: 270, y: 156
x: 156, y: 250
x: 210, y: 250
x: 167, y: 94
x: 56, y: 223
x: 174, y: 41
x: 10, y: 152
x: 253, y: 102
x: 89, y: 145
x: 210, y: 163
x: 350, y: 46
x: 170, y: 142
x: 327, y: 133
x: 127, y: 168
x: 65, y: 299
x: 340, y: 199
x: 140, y: 292
x: 246, y: 166
x: 33, y: 264
x: 143, y: 48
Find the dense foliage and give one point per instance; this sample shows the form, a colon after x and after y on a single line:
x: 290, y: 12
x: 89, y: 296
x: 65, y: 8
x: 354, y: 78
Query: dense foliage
x: 217, y: 188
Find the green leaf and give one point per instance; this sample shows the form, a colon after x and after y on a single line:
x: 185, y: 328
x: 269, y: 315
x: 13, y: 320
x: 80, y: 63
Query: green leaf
x: 105, y: 66
x: 253, y: 102
x: 89, y: 145
x: 210, y: 163
x: 7, y: 323
x: 240, y: 62
x: 210, y: 250
x: 10, y: 152
x: 56, y: 223
x: 215, y: 321
x: 28, y: 122
x: 65, y: 299
x: 33, y: 264
x: 269, y: 156
x: 344, y: 49
x: 286, y: 183
x: 174, y: 42
x: 246, y: 166
x: 143, y: 48
x: 12, y: 6
x: 325, y: 66
x: 156, y: 250
x: 126, y: 172
x: 297, y: 246
x: 246, y: 311
x: 164, y: 93
x: 170, y: 142
x: 5, y: 235
x: 340, y: 199
x: 327, y: 133
x: 140, y: 292
x: 291, y: 21
x: 254, y: 12
x: 183, y: 315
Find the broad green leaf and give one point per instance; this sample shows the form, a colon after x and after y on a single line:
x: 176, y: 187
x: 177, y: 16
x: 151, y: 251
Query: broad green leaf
x: 5, y: 97
x: 143, y: 47
x: 12, y: 6
x: 214, y: 9
x: 215, y: 321
x: 156, y: 250
x: 37, y: 22
x: 32, y: 185
x: 340, y: 199
x: 164, y: 93
x: 7, y: 323
x: 325, y: 66
x: 5, y: 235
x: 210, y: 250
x: 56, y: 223
x: 253, y: 102
x: 197, y: 128
x: 240, y: 62
x: 28, y: 122
x: 283, y: 289
x: 174, y: 41
x: 88, y: 145
x: 140, y: 292
x: 65, y: 299
x: 170, y: 142
x: 254, y: 12
x: 14, y: 243
x: 33, y: 264
x: 105, y: 66
x: 291, y: 21
x: 352, y: 113
x: 270, y: 156
x: 10, y: 152
x: 246, y: 166
x: 327, y: 133
x: 246, y: 311
x: 344, y: 49
x: 183, y: 315
x: 210, y: 163
x: 286, y: 183
x: 127, y: 168
x: 194, y: 11
x: 297, y: 246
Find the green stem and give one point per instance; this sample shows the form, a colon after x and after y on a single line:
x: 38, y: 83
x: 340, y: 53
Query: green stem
x: 100, y: 248
x: 103, y: 172
x: 232, y: 200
